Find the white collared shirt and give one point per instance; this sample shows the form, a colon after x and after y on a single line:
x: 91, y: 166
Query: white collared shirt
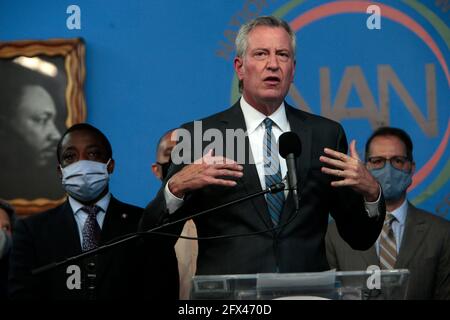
x: 81, y: 216
x: 398, y: 225
x: 256, y: 130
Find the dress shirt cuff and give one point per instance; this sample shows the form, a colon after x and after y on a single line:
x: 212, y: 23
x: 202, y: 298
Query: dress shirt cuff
x: 372, y: 207
x: 173, y: 203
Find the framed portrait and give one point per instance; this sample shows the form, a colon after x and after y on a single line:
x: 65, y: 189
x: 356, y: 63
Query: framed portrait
x: 41, y: 94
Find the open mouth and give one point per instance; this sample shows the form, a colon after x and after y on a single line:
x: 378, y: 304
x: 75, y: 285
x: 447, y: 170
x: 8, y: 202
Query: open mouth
x: 272, y: 80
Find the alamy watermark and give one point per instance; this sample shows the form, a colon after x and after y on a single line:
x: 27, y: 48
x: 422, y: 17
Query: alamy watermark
x: 374, y: 20
x: 225, y: 147
x: 374, y: 280
x: 74, y: 278
x: 73, y: 21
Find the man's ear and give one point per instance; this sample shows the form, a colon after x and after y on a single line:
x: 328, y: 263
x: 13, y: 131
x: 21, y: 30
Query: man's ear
x: 239, y: 67
x: 58, y: 171
x: 413, y: 168
x: 111, y: 165
x: 293, y: 71
x: 156, y: 171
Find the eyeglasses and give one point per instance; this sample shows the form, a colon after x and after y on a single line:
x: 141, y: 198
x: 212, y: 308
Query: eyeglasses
x: 397, y: 162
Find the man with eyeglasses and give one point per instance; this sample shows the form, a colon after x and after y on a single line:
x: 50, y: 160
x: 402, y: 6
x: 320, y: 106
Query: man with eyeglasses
x: 411, y: 238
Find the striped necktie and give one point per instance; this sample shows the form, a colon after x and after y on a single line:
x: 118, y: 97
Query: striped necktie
x: 272, y: 173
x: 388, y: 245
x: 91, y: 229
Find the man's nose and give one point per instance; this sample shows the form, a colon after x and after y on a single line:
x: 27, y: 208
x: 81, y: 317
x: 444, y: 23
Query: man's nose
x: 54, y: 133
x: 272, y: 62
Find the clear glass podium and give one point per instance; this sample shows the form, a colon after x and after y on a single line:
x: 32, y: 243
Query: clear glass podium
x: 329, y: 285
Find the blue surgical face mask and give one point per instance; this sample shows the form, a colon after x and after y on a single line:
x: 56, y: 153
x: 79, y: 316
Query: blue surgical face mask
x: 394, y: 182
x: 85, y: 180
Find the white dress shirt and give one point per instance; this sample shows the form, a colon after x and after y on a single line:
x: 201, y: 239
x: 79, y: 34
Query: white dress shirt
x: 255, y: 130
x: 81, y: 216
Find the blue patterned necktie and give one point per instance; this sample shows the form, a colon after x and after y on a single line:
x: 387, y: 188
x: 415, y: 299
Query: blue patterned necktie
x: 91, y: 229
x: 272, y: 173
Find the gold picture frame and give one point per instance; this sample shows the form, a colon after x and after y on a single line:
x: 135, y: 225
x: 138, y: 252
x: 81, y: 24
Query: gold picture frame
x: 26, y: 67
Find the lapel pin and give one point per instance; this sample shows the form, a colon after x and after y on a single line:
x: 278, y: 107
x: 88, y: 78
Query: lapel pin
x: 124, y: 215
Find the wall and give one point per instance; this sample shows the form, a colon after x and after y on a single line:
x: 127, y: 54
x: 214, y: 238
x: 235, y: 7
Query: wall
x: 153, y: 65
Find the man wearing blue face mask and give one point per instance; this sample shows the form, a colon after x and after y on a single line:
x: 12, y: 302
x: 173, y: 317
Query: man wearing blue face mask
x: 89, y: 218
x: 411, y: 238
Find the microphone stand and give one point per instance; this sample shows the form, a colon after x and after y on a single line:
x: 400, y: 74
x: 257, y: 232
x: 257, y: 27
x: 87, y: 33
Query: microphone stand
x: 272, y: 189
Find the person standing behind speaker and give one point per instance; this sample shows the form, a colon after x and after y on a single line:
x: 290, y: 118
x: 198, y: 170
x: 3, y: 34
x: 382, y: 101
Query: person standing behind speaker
x: 186, y: 250
x: 330, y: 181
x: 411, y: 238
x: 89, y: 218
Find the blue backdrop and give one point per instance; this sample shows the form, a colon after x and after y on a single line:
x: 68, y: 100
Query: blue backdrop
x: 153, y: 65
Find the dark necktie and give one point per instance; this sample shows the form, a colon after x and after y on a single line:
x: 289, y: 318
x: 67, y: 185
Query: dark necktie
x: 272, y: 173
x: 91, y: 229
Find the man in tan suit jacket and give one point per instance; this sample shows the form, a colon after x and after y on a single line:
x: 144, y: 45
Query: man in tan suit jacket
x: 421, y: 239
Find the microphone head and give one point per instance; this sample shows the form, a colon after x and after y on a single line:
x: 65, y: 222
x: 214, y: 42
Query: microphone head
x: 289, y: 142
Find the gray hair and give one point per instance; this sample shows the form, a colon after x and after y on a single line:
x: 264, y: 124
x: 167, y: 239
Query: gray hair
x: 241, y: 41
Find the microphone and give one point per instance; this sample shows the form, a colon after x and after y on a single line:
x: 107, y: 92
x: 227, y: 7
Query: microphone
x: 277, y: 187
x: 290, y: 147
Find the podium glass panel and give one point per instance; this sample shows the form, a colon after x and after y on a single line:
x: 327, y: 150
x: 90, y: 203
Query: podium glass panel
x: 350, y: 285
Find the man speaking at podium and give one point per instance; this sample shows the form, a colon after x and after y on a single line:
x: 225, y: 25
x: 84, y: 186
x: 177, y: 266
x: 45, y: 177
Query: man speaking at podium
x: 329, y: 181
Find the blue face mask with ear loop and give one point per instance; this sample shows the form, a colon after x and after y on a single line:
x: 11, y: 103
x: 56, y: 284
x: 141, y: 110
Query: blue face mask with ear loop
x: 393, y: 181
x: 85, y: 180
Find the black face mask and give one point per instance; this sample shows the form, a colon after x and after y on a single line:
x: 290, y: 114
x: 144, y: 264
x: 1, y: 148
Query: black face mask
x: 165, y: 168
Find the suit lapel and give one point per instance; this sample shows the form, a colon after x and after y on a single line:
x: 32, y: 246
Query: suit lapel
x: 67, y: 232
x: 302, y: 129
x: 303, y: 162
x: 415, y: 231
x: 234, y: 119
x: 111, y: 224
x: 259, y: 203
x: 114, y: 225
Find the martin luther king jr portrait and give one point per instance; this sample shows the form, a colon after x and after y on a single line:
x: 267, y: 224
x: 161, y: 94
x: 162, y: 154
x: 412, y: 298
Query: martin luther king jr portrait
x: 32, y: 114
